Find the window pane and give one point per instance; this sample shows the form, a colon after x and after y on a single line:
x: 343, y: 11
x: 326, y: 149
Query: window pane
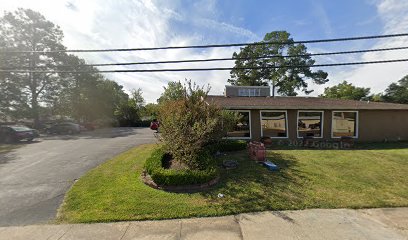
x: 255, y: 92
x: 241, y: 129
x: 274, y: 124
x: 249, y: 92
x: 344, y: 124
x: 309, y: 124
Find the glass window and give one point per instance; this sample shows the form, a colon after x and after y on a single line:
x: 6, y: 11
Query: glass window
x: 242, y: 127
x: 242, y: 92
x: 344, y: 124
x: 249, y: 92
x: 274, y: 124
x: 310, y: 124
x: 255, y: 92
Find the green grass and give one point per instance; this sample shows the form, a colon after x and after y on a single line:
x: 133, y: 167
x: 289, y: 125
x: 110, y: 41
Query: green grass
x: 373, y: 176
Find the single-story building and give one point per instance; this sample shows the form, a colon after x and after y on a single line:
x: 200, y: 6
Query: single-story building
x: 294, y: 118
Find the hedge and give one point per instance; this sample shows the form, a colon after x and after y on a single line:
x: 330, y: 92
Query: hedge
x: 130, y: 123
x: 232, y: 145
x: 228, y: 146
x: 172, y: 177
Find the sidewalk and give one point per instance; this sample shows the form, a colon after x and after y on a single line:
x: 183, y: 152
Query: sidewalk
x: 389, y: 223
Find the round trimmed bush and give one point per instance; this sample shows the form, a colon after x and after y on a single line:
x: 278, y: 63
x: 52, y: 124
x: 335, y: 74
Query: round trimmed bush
x: 171, y: 177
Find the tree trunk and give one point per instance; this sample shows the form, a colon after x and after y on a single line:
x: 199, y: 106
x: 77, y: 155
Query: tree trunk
x: 34, y: 100
x: 76, y: 101
x: 273, y: 89
x: 33, y: 89
x: 34, y: 108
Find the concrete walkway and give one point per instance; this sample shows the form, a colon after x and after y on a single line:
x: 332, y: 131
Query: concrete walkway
x: 390, y: 223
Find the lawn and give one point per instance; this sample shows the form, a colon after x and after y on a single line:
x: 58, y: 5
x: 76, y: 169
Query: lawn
x: 372, y: 176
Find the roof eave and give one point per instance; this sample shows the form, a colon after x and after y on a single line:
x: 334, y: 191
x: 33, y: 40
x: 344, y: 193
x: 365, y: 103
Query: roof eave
x: 307, y: 108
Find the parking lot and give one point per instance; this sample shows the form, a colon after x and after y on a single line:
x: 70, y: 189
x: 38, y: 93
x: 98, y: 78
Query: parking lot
x: 35, y: 176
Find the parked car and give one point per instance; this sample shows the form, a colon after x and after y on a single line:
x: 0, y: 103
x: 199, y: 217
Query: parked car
x: 10, y: 134
x: 64, y: 128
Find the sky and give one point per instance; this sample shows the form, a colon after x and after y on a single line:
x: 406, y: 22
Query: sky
x: 98, y: 24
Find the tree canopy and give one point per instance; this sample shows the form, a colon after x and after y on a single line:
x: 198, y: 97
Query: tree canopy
x: 27, y: 30
x: 151, y: 111
x: 173, y: 91
x: 129, y: 113
x: 282, y: 52
x: 83, y: 94
x: 346, y: 90
x: 397, y: 92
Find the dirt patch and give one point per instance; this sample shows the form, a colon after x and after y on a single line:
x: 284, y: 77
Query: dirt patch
x: 168, y: 162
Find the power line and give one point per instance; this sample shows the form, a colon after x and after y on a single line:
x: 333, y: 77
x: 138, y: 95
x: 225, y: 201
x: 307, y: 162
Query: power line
x: 216, y: 45
x: 211, y: 69
x: 223, y: 59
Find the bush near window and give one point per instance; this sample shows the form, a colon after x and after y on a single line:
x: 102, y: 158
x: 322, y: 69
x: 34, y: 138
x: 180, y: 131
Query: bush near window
x: 227, y: 145
x: 232, y: 145
x: 172, y: 177
x: 190, y: 124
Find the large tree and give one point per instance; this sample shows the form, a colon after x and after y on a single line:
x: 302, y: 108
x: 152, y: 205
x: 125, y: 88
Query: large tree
x: 276, y: 63
x: 110, y: 96
x: 397, y: 92
x: 346, y: 90
x: 150, y: 111
x: 10, y: 98
x: 27, y: 30
x: 173, y: 91
x: 137, y: 98
x: 129, y: 113
x: 80, y: 93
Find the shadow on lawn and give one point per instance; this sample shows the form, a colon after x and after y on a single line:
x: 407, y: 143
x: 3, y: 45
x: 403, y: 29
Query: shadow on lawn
x: 252, y: 187
x: 356, y: 146
x: 379, y: 146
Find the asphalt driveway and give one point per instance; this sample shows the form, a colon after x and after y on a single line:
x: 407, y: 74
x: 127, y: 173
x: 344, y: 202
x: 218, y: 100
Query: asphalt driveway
x: 35, y: 177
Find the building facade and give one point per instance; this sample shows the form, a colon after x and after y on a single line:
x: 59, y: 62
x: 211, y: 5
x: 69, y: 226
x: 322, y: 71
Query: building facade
x: 294, y: 118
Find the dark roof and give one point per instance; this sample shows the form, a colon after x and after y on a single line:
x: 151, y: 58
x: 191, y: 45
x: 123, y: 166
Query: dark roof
x: 300, y: 103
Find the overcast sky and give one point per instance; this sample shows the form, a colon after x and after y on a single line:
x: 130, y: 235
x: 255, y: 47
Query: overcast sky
x: 95, y: 24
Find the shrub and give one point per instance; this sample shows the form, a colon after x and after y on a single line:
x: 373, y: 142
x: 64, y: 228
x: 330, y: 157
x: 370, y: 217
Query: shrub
x: 227, y: 145
x: 190, y: 124
x: 139, y: 123
x: 106, y: 122
x: 171, y: 177
x: 232, y: 145
x: 154, y: 161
